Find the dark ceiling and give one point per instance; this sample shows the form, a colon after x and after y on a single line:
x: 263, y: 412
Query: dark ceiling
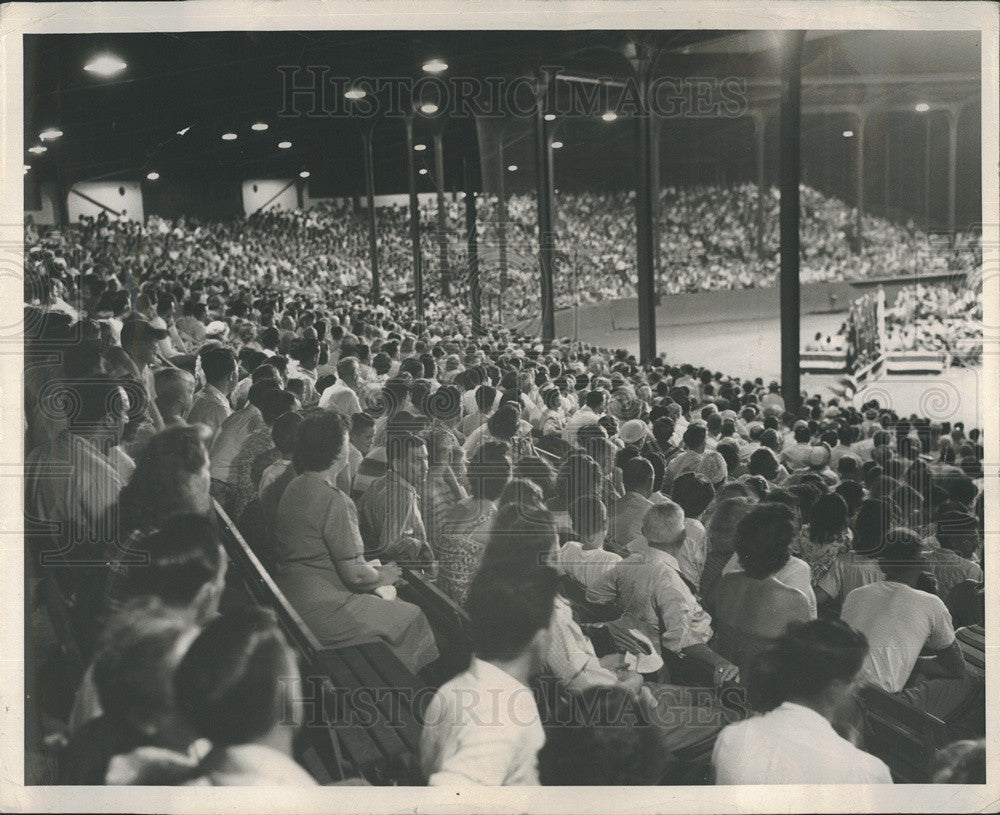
x: 214, y: 82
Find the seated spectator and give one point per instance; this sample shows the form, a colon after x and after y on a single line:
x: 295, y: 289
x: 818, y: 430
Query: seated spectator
x: 649, y: 585
x: 174, y: 394
x: 319, y: 555
x: 343, y: 394
x: 752, y: 608
x: 283, y: 435
x: 796, y: 456
x: 627, y: 513
x: 132, y: 672
x: 827, y: 535
x: 391, y: 522
x: 900, y: 623
x: 237, y: 685
x: 592, y: 744
x: 953, y: 561
x: 584, y: 559
x: 462, y: 539
x: 693, y: 493
x: 795, y: 573
x: 229, y: 439
x: 858, y: 567
x: 687, y: 461
x: 801, y: 684
x: 721, y: 537
x: 259, y: 450
x: 495, y: 740
x: 171, y: 478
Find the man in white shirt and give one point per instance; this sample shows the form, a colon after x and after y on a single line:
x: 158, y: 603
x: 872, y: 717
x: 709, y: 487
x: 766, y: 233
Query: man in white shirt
x: 794, y: 742
x: 595, y: 403
x: 483, y: 726
x: 211, y: 404
x: 342, y: 395
x: 902, y: 623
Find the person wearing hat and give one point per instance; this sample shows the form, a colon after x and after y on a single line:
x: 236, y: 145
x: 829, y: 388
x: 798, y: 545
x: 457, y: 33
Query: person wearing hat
x: 140, y: 341
x: 713, y: 467
x: 819, y: 464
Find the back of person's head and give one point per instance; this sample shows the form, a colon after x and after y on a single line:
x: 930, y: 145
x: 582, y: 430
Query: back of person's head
x: 849, y: 467
x: 663, y: 526
x: 589, y: 517
x: 521, y: 536
x: 693, y: 492
x: 233, y: 681
x: 961, y: 762
x: 828, y: 518
x: 596, y: 400
x: 663, y: 430
x: 284, y: 431
x: 319, y: 440
x: 637, y: 475
x: 184, y: 566
x: 273, y: 403
x: 694, y: 437
x: 763, y: 538
x: 596, y: 742
x: 504, y: 423
x: 901, y: 553
x: 853, y: 494
x: 806, y: 663
x: 522, y: 492
x: 807, y: 495
x: 260, y: 390
x: 142, y: 645
x: 538, y: 470
x: 486, y: 396
x: 763, y: 462
x: 510, y: 611
x: 488, y: 473
x: 394, y: 394
x: 959, y: 532
x: 174, y: 388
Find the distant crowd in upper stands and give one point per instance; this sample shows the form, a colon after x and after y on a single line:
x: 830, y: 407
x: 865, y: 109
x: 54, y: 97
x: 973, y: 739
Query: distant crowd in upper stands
x: 767, y: 573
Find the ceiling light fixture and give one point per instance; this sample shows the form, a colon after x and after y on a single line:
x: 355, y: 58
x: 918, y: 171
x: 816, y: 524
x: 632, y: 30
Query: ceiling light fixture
x: 51, y: 134
x: 284, y: 145
x: 304, y: 174
x: 609, y: 116
x: 38, y: 149
x: 153, y: 175
x: 922, y: 107
x: 259, y: 126
x: 428, y: 108
x: 435, y: 66
x: 420, y: 147
x: 355, y: 93
x: 105, y: 65
x: 556, y: 145
x: 848, y: 134
x: 228, y: 136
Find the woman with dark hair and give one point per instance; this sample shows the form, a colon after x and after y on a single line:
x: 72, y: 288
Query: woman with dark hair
x: 752, y: 606
x: 773, y: 549
x: 858, y: 567
x: 826, y: 536
x: 538, y: 470
x: 804, y: 682
x: 171, y: 478
x: 236, y: 685
x: 319, y: 554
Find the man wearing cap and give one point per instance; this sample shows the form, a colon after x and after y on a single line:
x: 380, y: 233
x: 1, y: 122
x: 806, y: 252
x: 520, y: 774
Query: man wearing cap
x: 140, y: 341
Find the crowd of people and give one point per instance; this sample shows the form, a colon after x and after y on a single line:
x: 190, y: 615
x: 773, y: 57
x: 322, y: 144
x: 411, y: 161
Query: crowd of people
x: 779, y: 562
